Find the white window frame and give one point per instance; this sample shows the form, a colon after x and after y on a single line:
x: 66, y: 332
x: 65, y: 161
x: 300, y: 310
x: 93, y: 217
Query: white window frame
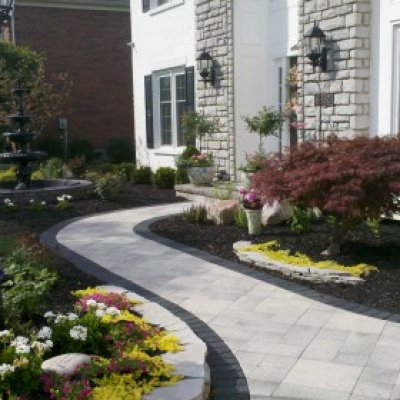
x: 395, y: 123
x: 171, y: 73
x: 155, y: 8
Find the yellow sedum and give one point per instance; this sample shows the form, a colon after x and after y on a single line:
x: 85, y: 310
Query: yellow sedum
x: 88, y: 292
x: 273, y: 251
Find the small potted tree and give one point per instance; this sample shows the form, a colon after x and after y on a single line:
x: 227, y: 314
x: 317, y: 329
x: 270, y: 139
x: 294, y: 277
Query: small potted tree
x: 266, y: 122
x: 199, y: 166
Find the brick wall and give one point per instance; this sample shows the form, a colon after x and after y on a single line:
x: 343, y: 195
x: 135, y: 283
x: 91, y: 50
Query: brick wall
x: 346, y: 24
x: 215, y: 34
x: 91, y: 47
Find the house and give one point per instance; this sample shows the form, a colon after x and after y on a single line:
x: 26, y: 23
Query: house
x: 87, y: 39
x: 261, y: 55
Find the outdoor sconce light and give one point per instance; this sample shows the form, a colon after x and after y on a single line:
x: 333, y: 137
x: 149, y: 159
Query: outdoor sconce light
x: 316, y: 51
x: 205, y: 64
x: 6, y: 7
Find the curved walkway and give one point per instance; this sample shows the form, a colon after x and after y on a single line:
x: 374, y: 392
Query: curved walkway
x: 291, y: 342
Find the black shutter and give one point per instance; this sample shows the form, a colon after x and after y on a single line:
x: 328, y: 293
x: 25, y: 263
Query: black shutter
x: 148, y: 92
x: 190, y: 96
x: 146, y: 5
x: 190, y: 89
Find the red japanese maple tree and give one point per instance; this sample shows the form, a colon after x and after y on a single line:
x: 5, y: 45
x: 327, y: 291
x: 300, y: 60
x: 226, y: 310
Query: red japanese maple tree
x: 352, y: 179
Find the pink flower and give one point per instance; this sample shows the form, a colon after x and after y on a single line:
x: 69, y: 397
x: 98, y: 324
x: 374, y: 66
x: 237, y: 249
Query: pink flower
x: 242, y: 191
x: 251, y: 197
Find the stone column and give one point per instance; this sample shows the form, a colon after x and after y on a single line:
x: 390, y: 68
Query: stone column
x: 346, y: 24
x: 214, y: 20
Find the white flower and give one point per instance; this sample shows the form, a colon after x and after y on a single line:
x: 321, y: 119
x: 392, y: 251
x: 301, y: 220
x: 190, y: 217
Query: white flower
x: 42, y: 346
x: 22, y: 349
x: 5, y: 333
x: 6, y: 369
x: 78, y: 332
x: 60, y: 318
x: 45, y: 333
x: 101, y: 306
x: 19, y: 340
x: 43, y: 203
x: 91, y: 303
x: 72, y: 316
x: 49, y: 344
x: 49, y: 314
x: 31, y: 201
x: 7, y: 201
x: 100, y: 313
x: 113, y: 311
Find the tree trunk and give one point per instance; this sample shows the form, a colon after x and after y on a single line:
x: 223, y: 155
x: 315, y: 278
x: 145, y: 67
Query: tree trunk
x: 336, y: 239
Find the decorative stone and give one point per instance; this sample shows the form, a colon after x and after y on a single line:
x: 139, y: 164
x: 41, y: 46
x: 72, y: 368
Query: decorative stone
x: 277, y: 213
x: 223, y: 212
x: 65, y: 364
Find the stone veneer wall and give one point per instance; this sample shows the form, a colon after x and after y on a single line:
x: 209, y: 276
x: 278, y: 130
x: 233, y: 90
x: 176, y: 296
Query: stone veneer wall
x: 214, y: 19
x: 347, y: 26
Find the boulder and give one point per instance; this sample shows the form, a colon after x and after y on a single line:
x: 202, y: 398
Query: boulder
x: 65, y: 364
x: 276, y: 213
x: 222, y: 212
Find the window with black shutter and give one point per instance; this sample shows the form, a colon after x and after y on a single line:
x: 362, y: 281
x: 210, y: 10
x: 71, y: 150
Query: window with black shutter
x: 148, y: 88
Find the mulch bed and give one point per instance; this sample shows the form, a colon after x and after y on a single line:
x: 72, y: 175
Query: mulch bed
x: 381, y: 290
x: 24, y: 221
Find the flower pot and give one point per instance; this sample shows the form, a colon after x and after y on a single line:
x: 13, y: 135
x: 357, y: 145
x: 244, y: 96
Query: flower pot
x: 201, y: 175
x: 253, y: 221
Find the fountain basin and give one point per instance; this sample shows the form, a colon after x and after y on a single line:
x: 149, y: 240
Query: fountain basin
x: 15, y: 158
x: 46, y: 190
x: 19, y: 137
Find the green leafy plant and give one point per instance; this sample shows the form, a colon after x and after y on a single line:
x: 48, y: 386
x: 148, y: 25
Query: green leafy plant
x: 120, y: 150
x: 9, y: 206
x: 127, y: 170
x: 196, y: 126
x: 64, y: 202
x: 164, y: 178
x: 78, y: 166
x: 196, y: 214
x: 240, y: 218
x: 37, y: 205
x: 223, y: 191
x: 108, y: 186
x: 254, y: 162
x: 53, y: 168
x: 7, y: 175
x: 301, y: 220
x: 266, y: 122
x: 27, y: 287
x: 143, y: 175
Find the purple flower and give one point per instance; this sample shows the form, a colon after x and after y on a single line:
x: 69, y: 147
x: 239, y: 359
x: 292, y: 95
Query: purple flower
x: 251, y: 197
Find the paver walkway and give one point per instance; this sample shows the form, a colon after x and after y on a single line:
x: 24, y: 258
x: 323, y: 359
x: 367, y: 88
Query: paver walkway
x: 290, y: 343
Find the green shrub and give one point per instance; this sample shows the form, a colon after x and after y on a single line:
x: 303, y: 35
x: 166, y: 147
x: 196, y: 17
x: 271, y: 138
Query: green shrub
x: 50, y: 144
x: 108, y: 186
x: 120, y: 150
x: 164, y: 178
x: 7, y: 244
x: 29, y: 284
x: 196, y: 214
x: 77, y: 166
x: 301, y: 220
x: 240, y: 218
x: 81, y: 147
x: 126, y: 170
x: 181, y: 176
x: 104, y: 168
x: 143, y: 175
x: 53, y: 169
x: 7, y: 175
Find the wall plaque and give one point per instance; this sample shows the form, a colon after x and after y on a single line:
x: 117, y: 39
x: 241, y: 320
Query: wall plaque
x: 324, y: 99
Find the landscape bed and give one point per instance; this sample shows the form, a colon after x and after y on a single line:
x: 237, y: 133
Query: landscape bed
x: 380, y: 290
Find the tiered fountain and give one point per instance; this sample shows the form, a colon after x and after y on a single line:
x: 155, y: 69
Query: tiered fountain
x: 20, y: 143
x: 23, y: 189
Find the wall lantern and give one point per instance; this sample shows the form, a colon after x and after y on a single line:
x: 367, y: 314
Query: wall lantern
x: 6, y: 8
x: 205, y: 65
x: 316, y: 51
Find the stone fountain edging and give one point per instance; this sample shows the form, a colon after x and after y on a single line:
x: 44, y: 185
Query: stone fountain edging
x: 78, y: 189
x: 190, y: 362
x: 305, y: 273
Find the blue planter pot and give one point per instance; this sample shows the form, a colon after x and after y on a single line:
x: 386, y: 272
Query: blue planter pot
x: 201, y: 175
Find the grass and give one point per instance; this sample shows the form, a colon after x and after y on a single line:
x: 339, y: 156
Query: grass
x: 7, y: 244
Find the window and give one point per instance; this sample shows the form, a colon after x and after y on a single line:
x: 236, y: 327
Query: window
x: 152, y: 4
x: 170, y: 99
x: 169, y: 95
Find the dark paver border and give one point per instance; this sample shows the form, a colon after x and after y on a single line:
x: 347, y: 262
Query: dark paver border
x: 227, y: 378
